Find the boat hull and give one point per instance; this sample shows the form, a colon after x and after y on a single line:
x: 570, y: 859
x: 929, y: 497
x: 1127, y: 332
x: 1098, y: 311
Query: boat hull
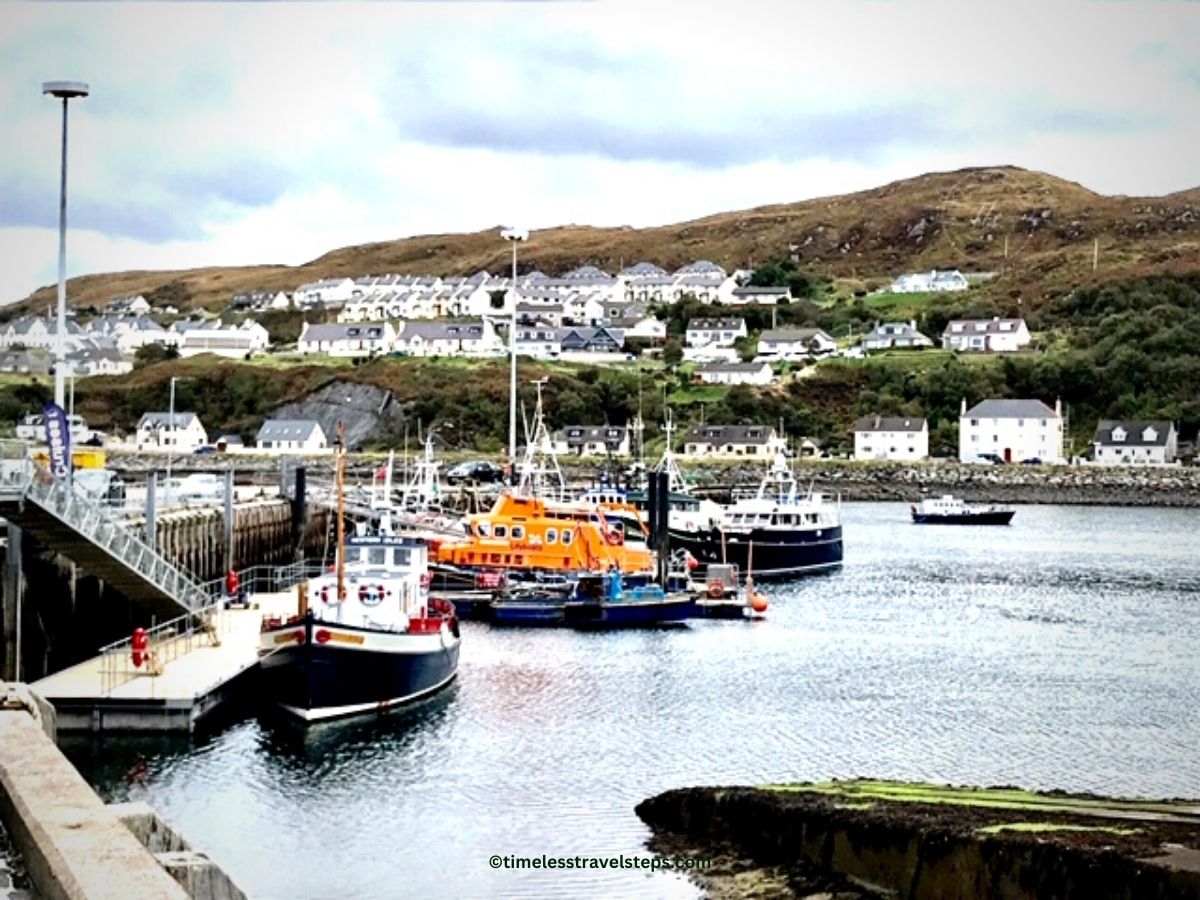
x: 528, y: 613
x: 354, y: 670
x: 628, y: 613
x: 993, y: 517
x: 775, y: 555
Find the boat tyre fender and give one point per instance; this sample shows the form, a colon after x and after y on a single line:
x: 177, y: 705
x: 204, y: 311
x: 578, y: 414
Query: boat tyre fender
x: 614, y: 537
x: 716, y: 590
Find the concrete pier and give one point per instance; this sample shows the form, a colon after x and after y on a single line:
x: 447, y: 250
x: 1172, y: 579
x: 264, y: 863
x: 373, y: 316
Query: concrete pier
x: 72, y: 845
x: 198, y: 672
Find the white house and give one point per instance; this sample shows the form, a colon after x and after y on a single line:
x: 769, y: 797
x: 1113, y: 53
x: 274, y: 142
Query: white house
x: 591, y: 440
x: 449, y: 339
x: 993, y: 335
x: 343, y: 339
x: 925, y: 282
x: 1012, y: 430
x: 182, y: 431
x: 889, y: 335
x: 131, y: 333
x: 735, y: 373
x: 99, y: 361
x: 232, y: 341
x: 128, y: 306
x: 714, y: 332
x: 303, y: 435
x: 539, y: 340
x: 762, y: 296
x: 726, y: 441
x: 36, y: 332
x: 645, y: 327
x: 891, y: 437
x: 324, y: 293
x: 795, y: 343
x: 1121, y: 443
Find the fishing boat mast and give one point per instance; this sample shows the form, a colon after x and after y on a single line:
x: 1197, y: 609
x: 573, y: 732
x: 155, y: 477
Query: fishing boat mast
x: 339, y: 484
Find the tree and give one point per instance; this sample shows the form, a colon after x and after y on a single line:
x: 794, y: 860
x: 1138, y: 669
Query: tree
x: 673, y: 351
x: 153, y: 353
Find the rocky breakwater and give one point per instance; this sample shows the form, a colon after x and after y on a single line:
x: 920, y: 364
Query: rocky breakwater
x: 924, y: 842
x: 1084, y: 485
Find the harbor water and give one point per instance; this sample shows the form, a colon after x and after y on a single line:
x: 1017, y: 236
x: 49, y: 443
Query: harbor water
x: 1062, y: 651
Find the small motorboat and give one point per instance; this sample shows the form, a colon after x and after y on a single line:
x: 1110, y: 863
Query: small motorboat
x: 948, y: 510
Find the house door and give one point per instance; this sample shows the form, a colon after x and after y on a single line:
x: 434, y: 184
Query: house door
x: 1008, y: 454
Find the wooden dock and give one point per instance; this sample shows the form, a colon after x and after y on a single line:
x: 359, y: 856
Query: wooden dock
x: 197, y: 676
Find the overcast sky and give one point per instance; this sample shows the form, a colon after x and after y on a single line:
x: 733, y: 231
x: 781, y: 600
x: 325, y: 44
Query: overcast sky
x: 235, y: 133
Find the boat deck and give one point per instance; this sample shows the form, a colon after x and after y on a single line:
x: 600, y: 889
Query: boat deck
x: 197, y: 675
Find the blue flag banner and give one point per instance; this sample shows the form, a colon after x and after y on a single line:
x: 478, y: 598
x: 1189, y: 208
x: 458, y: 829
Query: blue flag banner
x: 58, y: 438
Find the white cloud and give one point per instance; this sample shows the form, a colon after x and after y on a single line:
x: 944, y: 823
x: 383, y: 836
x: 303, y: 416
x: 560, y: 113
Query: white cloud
x: 237, y: 133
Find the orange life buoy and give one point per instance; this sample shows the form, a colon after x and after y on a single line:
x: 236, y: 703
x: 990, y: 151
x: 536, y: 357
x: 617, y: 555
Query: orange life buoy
x: 138, y: 646
x: 614, y: 537
x: 716, y: 590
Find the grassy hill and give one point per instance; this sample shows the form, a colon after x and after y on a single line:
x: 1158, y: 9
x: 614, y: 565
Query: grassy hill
x: 1035, y: 231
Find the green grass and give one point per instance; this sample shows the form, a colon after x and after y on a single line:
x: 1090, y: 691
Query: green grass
x: 994, y: 798
x: 7, y: 379
x: 699, y: 393
x: 900, y: 307
x: 1039, y: 827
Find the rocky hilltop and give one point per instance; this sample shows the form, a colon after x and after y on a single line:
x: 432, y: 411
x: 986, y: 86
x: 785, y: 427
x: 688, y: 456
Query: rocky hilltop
x: 1038, y: 232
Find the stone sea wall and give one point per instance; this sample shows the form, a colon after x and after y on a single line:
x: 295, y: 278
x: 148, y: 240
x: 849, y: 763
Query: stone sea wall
x: 1085, y: 485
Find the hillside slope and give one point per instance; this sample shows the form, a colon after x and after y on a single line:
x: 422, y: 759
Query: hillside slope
x: 1036, y: 231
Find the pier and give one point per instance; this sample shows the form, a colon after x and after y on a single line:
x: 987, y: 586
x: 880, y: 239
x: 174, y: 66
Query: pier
x: 194, y: 664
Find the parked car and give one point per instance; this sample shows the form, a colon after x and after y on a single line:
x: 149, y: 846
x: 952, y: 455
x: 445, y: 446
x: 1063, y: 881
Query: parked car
x: 476, y: 472
x: 988, y: 459
x: 204, y: 450
x: 1032, y: 461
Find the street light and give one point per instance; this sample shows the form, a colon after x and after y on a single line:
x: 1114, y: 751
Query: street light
x: 64, y: 91
x: 170, y: 430
x: 515, y: 236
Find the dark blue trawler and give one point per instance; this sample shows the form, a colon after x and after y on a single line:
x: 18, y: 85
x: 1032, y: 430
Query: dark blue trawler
x: 779, y: 533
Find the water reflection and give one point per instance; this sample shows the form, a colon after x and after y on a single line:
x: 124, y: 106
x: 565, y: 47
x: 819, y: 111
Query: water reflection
x: 1059, y: 652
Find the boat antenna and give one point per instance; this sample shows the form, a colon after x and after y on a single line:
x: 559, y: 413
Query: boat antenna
x: 341, y: 511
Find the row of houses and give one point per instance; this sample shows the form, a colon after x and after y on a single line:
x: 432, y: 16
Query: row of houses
x: 478, y: 339
x: 108, y: 343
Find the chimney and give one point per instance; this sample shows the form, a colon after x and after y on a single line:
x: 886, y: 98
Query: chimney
x: 1058, y: 407
x: 963, y: 410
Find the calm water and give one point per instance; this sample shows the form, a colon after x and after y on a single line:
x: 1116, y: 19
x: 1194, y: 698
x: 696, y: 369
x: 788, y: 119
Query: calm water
x: 1061, y: 652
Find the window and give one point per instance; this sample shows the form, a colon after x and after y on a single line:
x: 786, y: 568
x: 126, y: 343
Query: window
x: 974, y: 423
x: 567, y: 536
x: 377, y: 556
x: 551, y: 535
x: 501, y: 531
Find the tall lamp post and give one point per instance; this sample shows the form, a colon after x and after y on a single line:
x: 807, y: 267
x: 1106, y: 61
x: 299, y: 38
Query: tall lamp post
x: 514, y: 236
x: 64, y: 91
x: 171, y: 435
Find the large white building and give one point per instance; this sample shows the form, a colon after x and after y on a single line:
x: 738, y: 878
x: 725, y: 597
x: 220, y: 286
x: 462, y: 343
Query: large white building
x: 993, y: 335
x: 1121, y: 443
x: 1011, y: 430
x: 891, y: 438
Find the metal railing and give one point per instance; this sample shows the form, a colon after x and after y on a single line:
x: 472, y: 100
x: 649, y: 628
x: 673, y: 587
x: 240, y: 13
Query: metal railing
x: 97, y: 524
x: 178, y: 636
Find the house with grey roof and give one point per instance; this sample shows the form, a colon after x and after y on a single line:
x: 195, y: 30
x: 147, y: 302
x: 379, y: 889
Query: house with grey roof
x: 732, y: 442
x: 1011, y: 431
x: 891, y: 437
x: 935, y: 281
x: 164, y: 430
x: 895, y: 336
x: 994, y: 335
x: 539, y: 340
x: 762, y: 296
x: 473, y: 339
x: 99, y: 361
x: 136, y: 305
x: 347, y: 339
x: 1120, y: 442
x: 26, y: 362
x: 731, y: 373
x: 795, y: 343
x: 292, y: 435
x: 591, y: 440
x: 714, y: 332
